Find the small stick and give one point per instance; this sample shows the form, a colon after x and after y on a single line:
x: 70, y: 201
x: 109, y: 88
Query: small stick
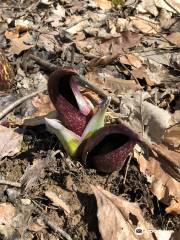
x: 10, y: 183
x: 13, y: 105
x: 55, y: 228
x: 47, y: 65
x: 127, y: 167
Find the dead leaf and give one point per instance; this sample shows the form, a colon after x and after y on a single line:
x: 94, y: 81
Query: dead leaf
x: 147, y: 6
x: 19, y: 43
x: 33, y: 173
x: 174, y: 38
x: 145, y: 24
x: 48, y: 42
x: 111, y: 83
x: 43, y: 104
x: 10, y: 142
x: 57, y: 14
x: 103, y: 4
x: 142, y: 115
x: 131, y: 59
x: 56, y: 201
x: 172, y: 136
x: 174, y: 3
x: 163, y: 185
x: 127, y: 40
x: 174, y: 207
x: 120, y: 219
x: 7, y: 213
x: 36, y: 109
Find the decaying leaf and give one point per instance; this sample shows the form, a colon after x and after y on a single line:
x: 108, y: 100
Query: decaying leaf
x: 103, y: 4
x: 33, y: 173
x: 147, y: 6
x: 163, y: 185
x: 113, y: 84
x: 48, y: 41
x: 7, y: 212
x: 174, y: 38
x: 19, y: 43
x: 36, y: 109
x: 145, y: 24
x: 172, y: 136
x: 10, y: 142
x: 57, y: 14
x: 131, y: 59
x: 145, y: 117
x: 120, y: 219
x: 170, y: 5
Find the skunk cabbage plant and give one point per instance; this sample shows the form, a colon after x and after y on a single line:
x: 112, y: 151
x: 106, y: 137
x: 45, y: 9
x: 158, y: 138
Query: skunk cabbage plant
x: 71, y: 140
x: 72, y: 107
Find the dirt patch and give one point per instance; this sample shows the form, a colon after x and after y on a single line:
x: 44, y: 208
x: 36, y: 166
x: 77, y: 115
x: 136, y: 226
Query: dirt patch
x: 71, y: 181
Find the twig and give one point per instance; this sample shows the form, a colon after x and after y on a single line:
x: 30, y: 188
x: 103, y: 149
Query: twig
x: 47, y: 65
x: 10, y: 183
x: 127, y: 167
x: 56, y: 229
x: 13, y: 105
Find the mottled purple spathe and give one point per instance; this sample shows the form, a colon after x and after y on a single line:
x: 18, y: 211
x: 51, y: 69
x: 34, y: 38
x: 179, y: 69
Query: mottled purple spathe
x: 62, y: 97
x: 109, y: 147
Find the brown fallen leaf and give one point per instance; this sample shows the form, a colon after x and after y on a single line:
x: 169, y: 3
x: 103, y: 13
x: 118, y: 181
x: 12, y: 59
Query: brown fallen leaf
x: 147, y: 6
x: 35, y: 110
x: 48, y: 41
x: 111, y: 83
x: 174, y: 38
x: 56, y: 201
x: 10, y: 142
x: 127, y: 40
x: 173, y: 6
x: 145, y: 24
x: 103, y: 4
x: 7, y: 213
x: 163, y: 185
x: 120, y: 219
x: 131, y: 59
x: 172, y: 136
x: 19, y: 43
